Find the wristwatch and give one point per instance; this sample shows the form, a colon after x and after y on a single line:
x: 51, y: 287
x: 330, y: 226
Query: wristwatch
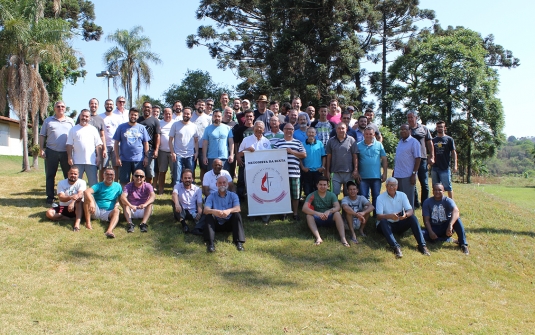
x: 413, y: 172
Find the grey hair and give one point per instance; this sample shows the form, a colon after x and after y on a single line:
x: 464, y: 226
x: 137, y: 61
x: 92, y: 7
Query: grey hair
x: 392, y: 180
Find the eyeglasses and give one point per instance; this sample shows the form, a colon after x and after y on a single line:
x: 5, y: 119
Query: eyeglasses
x: 291, y: 129
x: 139, y: 176
x: 121, y: 101
x: 60, y: 106
x: 211, y: 105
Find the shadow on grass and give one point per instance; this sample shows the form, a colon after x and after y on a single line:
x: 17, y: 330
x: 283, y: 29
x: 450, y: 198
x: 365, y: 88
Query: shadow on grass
x: 33, y: 192
x: 23, y: 203
x: 502, y: 231
x: 250, y: 278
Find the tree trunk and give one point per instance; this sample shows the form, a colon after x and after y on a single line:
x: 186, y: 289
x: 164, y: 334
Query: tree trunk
x: 24, y: 132
x: 469, y: 151
x: 35, y: 130
x: 383, y: 74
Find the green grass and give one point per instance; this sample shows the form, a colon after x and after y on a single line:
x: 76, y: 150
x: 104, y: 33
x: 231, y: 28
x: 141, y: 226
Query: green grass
x: 164, y: 282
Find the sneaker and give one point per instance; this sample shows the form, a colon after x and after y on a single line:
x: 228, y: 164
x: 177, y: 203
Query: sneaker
x: 397, y: 252
x: 464, y: 249
x: 143, y: 228
x: 49, y: 201
x: 130, y: 228
x: 423, y: 250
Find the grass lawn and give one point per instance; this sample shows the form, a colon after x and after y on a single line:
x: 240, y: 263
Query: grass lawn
x: 164, y: 282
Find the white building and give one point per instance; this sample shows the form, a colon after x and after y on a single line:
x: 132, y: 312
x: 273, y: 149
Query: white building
x: 10, y: 139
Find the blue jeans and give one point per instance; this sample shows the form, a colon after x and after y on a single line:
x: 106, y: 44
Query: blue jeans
x: 309, y: 180
x: 440, y: 230
x: 127, y: 170
x: 374, y: 185
x: 90, y: 172
x: 441, y: 176
x: 180, y: 165
x: 423, y: 177
x: 54, y: 159
x: 389, y: 228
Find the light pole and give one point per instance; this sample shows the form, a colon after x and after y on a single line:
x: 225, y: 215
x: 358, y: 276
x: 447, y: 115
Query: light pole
x: 108, y: 74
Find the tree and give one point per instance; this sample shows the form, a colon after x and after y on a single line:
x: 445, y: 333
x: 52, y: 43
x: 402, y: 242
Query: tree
x: 130, y: 57
x: 445, y: 76
x: 27, y: 39
x: 309, y: 48
x: 195, y: 85
x: 396, y: 24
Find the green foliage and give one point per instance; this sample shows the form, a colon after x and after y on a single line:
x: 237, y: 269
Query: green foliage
x: 309, y: 48
x: 153, y: 101
x: 515, y: 157
x: 195, y: 85
x: 130, y: 58
x: 390, y: 142
x: 81, y: 16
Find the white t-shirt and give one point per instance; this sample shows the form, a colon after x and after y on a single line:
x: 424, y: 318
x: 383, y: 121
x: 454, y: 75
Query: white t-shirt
x: 201, y: 121
x: 210, y: 179
x: 252, y: 141
x: 184, y: 138
x: 165, y: 127
x: 111, y: 122
x: 68, y: 189
x: 84, y: 141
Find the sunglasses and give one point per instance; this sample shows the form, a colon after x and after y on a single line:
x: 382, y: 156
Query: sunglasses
x: 139, y: 176
x: 121, y: 101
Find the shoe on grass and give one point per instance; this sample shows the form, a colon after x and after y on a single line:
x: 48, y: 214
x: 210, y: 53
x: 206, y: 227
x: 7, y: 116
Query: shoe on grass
x: 130, y: 227
x: 423, y: 250
x: 143, y: 228
x: 397, y: 252
x: 464, y: 249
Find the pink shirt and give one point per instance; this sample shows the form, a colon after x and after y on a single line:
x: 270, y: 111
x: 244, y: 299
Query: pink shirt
x: 138, y: 195
x: 335, y: 119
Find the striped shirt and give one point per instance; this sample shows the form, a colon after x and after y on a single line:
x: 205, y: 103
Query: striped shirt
x: 293, y: 162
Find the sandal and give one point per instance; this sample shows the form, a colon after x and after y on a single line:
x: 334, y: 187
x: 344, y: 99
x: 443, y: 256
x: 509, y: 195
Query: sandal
x: 75, y: 229
x: 110, y: 235
x: 318, y: 242
x: 354, y: 240
x: 345, y: 244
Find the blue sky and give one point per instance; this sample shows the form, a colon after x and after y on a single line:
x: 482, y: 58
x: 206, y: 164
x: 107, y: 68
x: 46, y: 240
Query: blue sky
x: 167, y: 23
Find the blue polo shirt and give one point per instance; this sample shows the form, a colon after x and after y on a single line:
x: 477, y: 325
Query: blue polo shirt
x: 216, y: 201
x: 315, y: 151
x: 407, y: 151
x: 370, y: 159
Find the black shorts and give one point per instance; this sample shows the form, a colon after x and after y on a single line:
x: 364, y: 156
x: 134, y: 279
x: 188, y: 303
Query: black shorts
x: 64, y: 210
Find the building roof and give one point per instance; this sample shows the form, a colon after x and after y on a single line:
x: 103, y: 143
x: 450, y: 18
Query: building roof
x: 7, y: 119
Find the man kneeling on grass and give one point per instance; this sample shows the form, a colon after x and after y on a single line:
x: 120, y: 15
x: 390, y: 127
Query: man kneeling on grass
x: 357, y: 210
x: 322, y: 209
x: 441, y: 217
x: 394, y: 214
x: 222, y: 211
x: 71, y: 196
x: 137, y: 199
x: 100, y: 202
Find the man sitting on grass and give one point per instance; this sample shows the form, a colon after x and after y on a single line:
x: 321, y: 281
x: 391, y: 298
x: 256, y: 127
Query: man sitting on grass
x: 187, y: 200
x: 71, y: 195
x: 100, y: 202
x: 222, y: 211
x: 137, y: 199
x: 357, y: 210
x: 394, y: 214
x: 441, y: 218
x: 322, y: 209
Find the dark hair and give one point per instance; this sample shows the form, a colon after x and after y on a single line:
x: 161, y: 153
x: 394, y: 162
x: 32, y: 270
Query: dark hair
x: 133, y: 109
x: 273, y: 102
x: 247, y: 111
x: 323, y: 178
x: 184, y: 171
x: 190, y: 109
x: 351, y: 183
x: 441, y: 122
x: 362, y: 117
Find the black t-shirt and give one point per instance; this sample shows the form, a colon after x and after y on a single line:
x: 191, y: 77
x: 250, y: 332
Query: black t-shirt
x: 152, y: 125
x: 241, y: 132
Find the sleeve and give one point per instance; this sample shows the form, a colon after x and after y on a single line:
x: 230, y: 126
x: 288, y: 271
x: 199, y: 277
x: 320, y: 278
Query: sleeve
x: 344, y: 201
x: 382, y: 151
x: 125, y: 189
x: 235, y: 200
x: 328, y: 147
x: 452, y: 144
x: 117, y: 135
x: 198, y: 196
x: 354, y: 148
x: 209, y: 201
x: 309, y: 200
x: 98, y: 141
x: 175, y: 188
x: 146, y: 137
x: 322, y: 149
x: 83, y: 185
x: 405, y: 202
x: 301, y: 147
x: 158, y: 127
x: 42, y: 132
x: 96, y: 187
x: 70, y: 137
x: 416, y: 149
x: 205, y: 134
x: 426, y: 208
x: 379, y: 208
x: 205, y: 178
x: 230, y: 133
x: 428, y: 136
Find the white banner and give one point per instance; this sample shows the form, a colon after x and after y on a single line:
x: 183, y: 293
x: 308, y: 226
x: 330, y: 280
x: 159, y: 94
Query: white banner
x: 268, y: 187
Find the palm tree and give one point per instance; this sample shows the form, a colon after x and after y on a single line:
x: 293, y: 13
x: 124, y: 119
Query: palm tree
x: 130, y: 58
x: 27, y: 38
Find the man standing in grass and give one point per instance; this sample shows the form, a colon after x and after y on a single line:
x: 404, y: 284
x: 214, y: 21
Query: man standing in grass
x: 137, y: 199
x: 407, y: 162
x: 342, y: 158
x: 71, y: 195
x: 222, y: 210
x: 395, y: 216
x: 100, y: 202
x: 322, y: 209
x: 441, y: 218
x: 444, y: 147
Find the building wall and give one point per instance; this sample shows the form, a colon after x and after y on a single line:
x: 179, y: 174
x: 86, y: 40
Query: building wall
x: 10, y: 141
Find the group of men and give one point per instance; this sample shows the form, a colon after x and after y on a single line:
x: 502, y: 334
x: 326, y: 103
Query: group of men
x: 327, y: 146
